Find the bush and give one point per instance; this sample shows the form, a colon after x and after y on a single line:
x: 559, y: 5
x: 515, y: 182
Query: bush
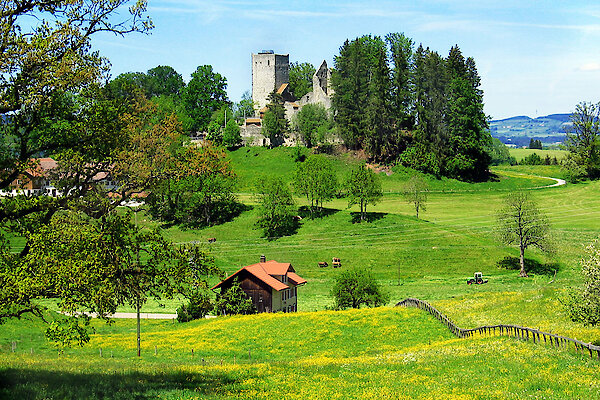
x: 198, y: 307
x: 583, y: 304
x: 355, y: 287
x: 234, y: 301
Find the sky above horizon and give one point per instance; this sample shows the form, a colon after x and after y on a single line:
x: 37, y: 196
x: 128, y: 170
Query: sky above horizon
x: 535, y: 57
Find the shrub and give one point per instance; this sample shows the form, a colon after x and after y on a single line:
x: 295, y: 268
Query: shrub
x: 355, y: 287
x: 198, y: 307
x: 234, y: 301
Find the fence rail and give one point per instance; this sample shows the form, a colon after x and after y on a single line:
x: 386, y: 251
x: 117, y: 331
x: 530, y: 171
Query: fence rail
x: 516, y: 331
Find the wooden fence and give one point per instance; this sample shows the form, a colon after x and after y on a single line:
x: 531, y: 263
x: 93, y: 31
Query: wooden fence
x: 516, y: 331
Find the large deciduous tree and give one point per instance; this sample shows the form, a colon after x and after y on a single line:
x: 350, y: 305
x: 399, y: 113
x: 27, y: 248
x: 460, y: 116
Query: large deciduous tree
x: 312, y: 122
x: 203, y: 95
x: 164, y: 81
x: 583, y: 141
x: 301, y: 75
x: 521, y: 222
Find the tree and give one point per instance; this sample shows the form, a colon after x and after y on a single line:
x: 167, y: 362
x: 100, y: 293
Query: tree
x: 203, y: 95
x: 198, y: 307
x: 521, y: 222
x: 275, y: 124
x: 164, y: 81
x: 583, y: 304
x: 245, y: 108
x: 97, y: 265
x: 415, y: 192
x: 583, y: 140
x: 277, y: 209
x: 401, y: 52
x: 316, y: 179
x: 499, y: 153
x: 234, y: 301
x: 363, y: 188
x: 355, y: 287
x: 312, y: 122
x: 197, y: 188
x: 231, y: 134
x: 535, y: 144
x: 301, y: 75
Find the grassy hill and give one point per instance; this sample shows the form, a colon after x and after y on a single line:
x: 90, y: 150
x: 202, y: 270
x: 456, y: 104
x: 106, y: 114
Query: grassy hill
x: 379, y: 353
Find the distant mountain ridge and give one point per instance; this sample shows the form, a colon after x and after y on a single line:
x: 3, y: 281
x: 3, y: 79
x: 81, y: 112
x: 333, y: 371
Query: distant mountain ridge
x: 520, y: 129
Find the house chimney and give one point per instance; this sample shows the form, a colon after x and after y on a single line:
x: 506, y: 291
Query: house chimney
x: 263, y: 259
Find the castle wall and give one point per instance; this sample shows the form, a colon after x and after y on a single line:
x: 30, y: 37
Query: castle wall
x: 269, y: 72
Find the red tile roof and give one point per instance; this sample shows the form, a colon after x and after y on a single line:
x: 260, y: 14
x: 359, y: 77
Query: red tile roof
x: 264, y: 272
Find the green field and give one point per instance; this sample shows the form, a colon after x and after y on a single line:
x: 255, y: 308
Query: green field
x: 520, y: 154
x: 381, y: 353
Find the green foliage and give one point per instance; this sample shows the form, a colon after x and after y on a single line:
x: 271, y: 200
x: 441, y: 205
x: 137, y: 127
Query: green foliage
x: 275, y: 124
x: 499, y: 153
x: 583, y: 303
x: 245, y: 107
x: 198, y: 307
x: 583, y: 142
x: 231, y: 134
x: 234, y: 301
x: 164, y: 81
x: 277, y: 209
x: 521, y: 222
x: 316, y: 179
x: 203, y: 95
x: 312, y: 122
x: 419, y: 158
x: 364, y: 188
x: 356, y: 287
x: 532, y: 159
x: 415, y: 193
x: 301, y: 75
x: 535, y: 144
x: 402, y: 98
x: 198, y: 188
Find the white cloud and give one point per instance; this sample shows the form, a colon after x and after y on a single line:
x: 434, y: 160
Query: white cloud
x: 591, y: 66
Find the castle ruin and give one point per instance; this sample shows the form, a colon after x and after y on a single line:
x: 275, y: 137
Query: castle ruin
x: 271, y: 72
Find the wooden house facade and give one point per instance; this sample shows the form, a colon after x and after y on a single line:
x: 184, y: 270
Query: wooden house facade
x: 272, y: 286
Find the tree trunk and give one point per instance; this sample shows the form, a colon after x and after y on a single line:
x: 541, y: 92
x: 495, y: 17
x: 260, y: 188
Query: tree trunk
x: 522, y: 262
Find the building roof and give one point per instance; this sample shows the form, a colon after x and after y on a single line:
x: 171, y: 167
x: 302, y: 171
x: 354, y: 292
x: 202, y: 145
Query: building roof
x: 265, y: 271
x: 282, y: 88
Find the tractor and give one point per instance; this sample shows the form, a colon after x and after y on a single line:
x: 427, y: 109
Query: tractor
x: 477, y: 279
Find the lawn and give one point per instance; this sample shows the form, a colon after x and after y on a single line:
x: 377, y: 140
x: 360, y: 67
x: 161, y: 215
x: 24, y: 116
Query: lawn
x: 380, y: 353
x: 520, y: 154
x: 383, y: 353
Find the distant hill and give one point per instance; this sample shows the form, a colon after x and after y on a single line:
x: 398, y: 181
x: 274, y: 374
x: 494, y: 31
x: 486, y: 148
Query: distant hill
x: 520, y: 129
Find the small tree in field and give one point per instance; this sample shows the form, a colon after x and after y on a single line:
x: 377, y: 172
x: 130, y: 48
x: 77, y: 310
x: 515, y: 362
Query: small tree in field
x: 415, y: 192
x: 316, y: 179
x: 363, y: 188
x: 356, y: 287
x: 276, y: 208
x: 583, y: 305
x: 521, y: 222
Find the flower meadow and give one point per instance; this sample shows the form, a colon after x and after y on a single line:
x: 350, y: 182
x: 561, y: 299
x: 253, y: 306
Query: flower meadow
x: 382, y: 353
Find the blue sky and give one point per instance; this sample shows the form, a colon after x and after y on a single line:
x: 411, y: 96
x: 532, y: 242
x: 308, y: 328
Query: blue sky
x: 535, y: 57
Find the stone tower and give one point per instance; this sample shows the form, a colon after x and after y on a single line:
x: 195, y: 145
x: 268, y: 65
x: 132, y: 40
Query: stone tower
x: 269, y: 72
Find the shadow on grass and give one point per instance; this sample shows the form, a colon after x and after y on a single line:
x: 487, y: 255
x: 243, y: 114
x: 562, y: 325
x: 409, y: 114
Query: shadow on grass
x: 304, y: 212
x: 531, y: 266
x: 35, y: 384
x: 369, y: 217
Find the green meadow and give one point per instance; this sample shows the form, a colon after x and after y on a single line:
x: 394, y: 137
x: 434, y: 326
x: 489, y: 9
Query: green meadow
x: 369, y: 353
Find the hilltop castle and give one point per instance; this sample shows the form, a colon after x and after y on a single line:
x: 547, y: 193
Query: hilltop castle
x: 271, y: 72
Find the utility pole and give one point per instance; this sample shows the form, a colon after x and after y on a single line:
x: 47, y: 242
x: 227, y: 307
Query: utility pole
x: 137, y: 305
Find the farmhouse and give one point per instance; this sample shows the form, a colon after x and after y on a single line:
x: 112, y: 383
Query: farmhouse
x: 272, y: 286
